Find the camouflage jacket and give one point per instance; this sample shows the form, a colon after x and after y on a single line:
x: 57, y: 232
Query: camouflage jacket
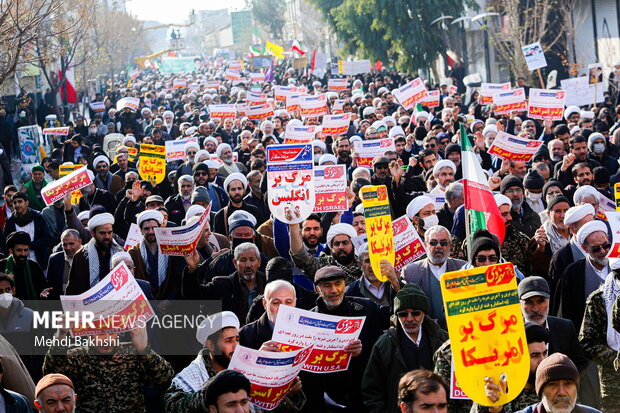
x: 443, y: 361
x: 593, y: 338
x: 177, y: 400
x: 516, y: 249
x: 111, y: 383
x: 310, y: 265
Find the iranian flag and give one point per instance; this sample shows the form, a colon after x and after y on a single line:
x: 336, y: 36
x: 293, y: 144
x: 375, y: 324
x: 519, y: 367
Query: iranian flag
x: 296, y: 47
x: 479, y: 202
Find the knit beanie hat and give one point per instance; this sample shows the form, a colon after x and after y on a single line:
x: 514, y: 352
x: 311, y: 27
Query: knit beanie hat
x: 412, y: 297
x: 555, y: 367
x: 509, y: 181
x: 533, y: 180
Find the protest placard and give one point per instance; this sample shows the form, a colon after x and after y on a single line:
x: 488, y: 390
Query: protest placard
x: 432, y: 100
x: 595, y: 73
x: 613, y: 217
x: 259, y: 112
x: 330, y: 183
x: 299, y: 134
x: 59, y: 131
x: 223, y: 111
x: 256, y: 98
x: 293, y: 103
x: 378, y: 217
x: 338, y: 106
x: 438, y: 199
x: 231, y: 74
x: 242, y: 109
x: 337, y: 85
x: 411, y: 93
x: 180, y: 240
x: 407, y: 243
x: 359, y: 240
x: 546, y: 104
x: 488, y: 90
x: 336, y: 124
x: 152, y: 163
x: 312, y: 106
x: 117, y: 303
x: 351, y: 68
x: 506, y: 102
x: 579, y: 92
x: 290, y: 179
x: 534, y: 56
x: 270, y: 373
x: 133, y: 236
x: 452, y: 90
x: 179, y: 84
x: 235, y: 64
x: 212, y: 84
x: 328, y: 335
x: 56, y: 190
x: 486, y: 327
x: 97, y: 107
x: 128, y: 102
x: 257, y: 77
x: 510, y: 147
x: 175, y: 149
x: 456, y: 393
x: 366, y: 151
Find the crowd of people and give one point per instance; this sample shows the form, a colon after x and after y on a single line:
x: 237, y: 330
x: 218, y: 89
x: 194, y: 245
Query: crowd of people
x: 556, y: 235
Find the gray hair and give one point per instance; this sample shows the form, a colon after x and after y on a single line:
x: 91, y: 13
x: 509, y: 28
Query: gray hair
x: 363, y: 249
x: 360, y: 170
x: 186, y: 178
x: 276, y: 285
x: 70, y: 232
x: 454, y: 190
x: 131, y: 173
x: 435, y: 229
x: 246, y: 246
x: 252, y: 173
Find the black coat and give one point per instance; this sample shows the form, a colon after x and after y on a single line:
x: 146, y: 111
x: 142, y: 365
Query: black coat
x: 42, y: 243
x: 55, y: 269
x: 306, y: 300
x: 176, y: 211
x: 561, y: 259
x: 570, y: 293
x: 253, y: 335
x: 99, y: 197
x: 564, y: 339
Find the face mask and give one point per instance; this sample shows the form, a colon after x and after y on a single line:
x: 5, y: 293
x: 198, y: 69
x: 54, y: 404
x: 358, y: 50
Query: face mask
x: 534, y: 197
x: 5, y: 300
x: 598, y: 148
x: 419, y: 143
x: 93, y: 131
x: 316, y: 158
x: 430, y: 221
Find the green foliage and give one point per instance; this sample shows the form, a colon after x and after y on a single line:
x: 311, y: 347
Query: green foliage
x: 394, y: 31
x: 270, y: 14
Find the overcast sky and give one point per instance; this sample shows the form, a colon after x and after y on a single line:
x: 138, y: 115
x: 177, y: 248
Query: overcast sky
x: 176, y: 11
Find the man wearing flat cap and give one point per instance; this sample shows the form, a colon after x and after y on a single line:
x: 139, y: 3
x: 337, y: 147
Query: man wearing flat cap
x: 408, y: 346
x: 344, y: 388
x: 557, y: 383
x: 524, y: 218
x: 341, y: 252
x: 235, y: 186
x: 93, y: 261
x: 150, y: 264
x: 30, y: 282
x: 55, y: 393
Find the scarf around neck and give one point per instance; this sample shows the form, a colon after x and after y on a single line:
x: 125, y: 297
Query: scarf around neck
x: 25, y: 219
x: 31, y: 294
x: 104, y: 185
x: 93, y: 259
x: 611, y: 291
x: 162, y: 263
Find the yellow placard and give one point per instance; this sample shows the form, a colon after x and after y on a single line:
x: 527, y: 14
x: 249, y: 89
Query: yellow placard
x: 486, y: 329
x: 378, y: 227
x: 65, y: 170
x: 152, y: 163
x: 617, y: 195
x: 340, y: 66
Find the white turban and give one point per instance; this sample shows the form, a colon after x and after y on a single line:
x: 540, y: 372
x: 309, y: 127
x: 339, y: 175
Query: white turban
x: 190, y: 131
x: 586, y: 114
x: 168, y: 112
x: 320, y: 144
x: 212, y: 164
x: 294, y: 123
x: 202, y: 153
x: 328, y: 157
x: 129, y: 138
x: 577, y: 213
x: 396, y: 131
x: 120, y: 256
x: 359, y: 208
x: 355, y: 138
x: 589, y: 228
x: 417, y: 204
x: 83, y: 215
x: 340, y: 229
x: 390, y: 119
x: 570, y: 110
x: 501, y: 199
x: 239, y: 215
x: 190, y: 145
x: 194, y: 210
x: 423, y: 114
x: 148, y: 215
x: 266, y: 123
x: 444, y: 163
x: 489, y: 128
x: 101, y: 158
x: 221, y: 148
x: 215, y: 323
x: 100, y: 219
x: 236, y: 176
x: 210, y: 139
x: 583, y: 191
x: 378, y: 124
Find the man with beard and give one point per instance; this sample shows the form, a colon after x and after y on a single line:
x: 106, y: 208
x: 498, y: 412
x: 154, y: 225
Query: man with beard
x: 421, y: 212
x: 369, y: 286
x: 96, y: 196
x: 55, y: 393
x: 169, y: 127
x: 93, y: 261
x: 7, y: 209
x: 218, y: 196
x: 444, y: 172
x: 74, y: 148
x: 426, y: 272
x: 556, y: 150
x: 224, y: 152
x: 409, y: 345
x: 210, y: 144
x: 33, y: 187
x: 583, y: 277
x: 30, y: 282
x: 557, y: 384
x: 190, y: 149
x: 344, y: 388
x: 178, y: 204
x: 60, y: 262
x: 219, y: 336
x: 235, y: 186
x: 104, y: 179
x: 150, y: 264
x: 341, y: 252
x: 122, y: 165
x: 516, y: 245
x: 33, y: 224
x: 237, y: 290
x: 537, y: 341
x: 578, y: 153
x: 524, y: 218
x: 256, y: 198
x: 342, y: 148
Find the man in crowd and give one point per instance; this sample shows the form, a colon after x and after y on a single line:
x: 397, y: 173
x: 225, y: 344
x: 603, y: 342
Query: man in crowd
x: 60, y: 262
x: 30, y: 282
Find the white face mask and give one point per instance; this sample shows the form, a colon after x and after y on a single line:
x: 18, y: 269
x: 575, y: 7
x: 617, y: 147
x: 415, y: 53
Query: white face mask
x: 534, y: 197
x: 598, y: 148
x: 430, y: 221
x: 5, y: 300
x: 316, y: 158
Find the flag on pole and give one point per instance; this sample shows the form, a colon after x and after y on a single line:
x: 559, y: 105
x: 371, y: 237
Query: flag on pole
x: 274, y: 49
x: 479, y: 205
x: 296, y: 47
x: 134, y: 73
x: 313, y: 61
x: 269, y: 75
x: 255, y: 51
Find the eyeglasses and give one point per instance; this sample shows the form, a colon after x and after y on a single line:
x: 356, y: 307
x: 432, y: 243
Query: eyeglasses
x: 432, y: 145
x: 191, y: 153
x: 200, y: 174
x: 434, y: 242
x: 491, y: 258
x: 514, y: 191
x: 596, y: 250
x: 380, y: 166
x: 405, y: 314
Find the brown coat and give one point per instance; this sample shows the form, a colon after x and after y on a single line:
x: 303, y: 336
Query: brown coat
x: 171, y: 287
